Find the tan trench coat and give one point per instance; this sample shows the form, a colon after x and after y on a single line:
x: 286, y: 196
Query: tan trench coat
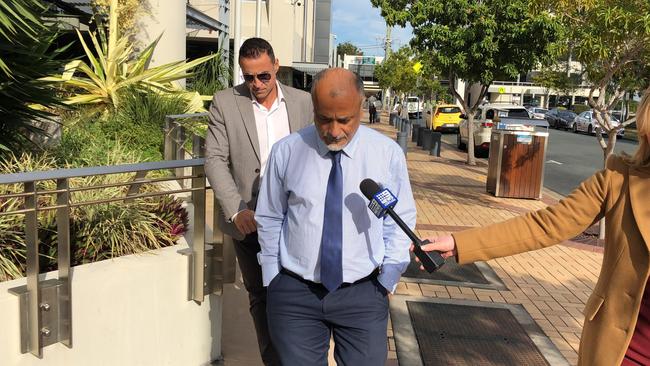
x: 620, y: 193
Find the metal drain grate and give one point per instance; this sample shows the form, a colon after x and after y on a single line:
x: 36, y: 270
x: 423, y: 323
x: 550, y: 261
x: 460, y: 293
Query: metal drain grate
x: 471, y: 335
x: 451, y: 271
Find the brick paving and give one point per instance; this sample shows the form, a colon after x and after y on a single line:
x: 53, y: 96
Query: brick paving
x: 552, y: 284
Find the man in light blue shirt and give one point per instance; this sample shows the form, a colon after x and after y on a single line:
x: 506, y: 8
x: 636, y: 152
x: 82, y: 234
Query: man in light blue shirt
x: 328, y: 262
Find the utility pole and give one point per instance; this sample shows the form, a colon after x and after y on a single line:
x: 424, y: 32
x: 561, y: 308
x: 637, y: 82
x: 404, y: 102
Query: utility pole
x: 387, y: 51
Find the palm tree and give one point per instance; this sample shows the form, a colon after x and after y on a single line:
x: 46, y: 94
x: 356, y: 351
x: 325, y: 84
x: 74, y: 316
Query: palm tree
x: 28, y: 53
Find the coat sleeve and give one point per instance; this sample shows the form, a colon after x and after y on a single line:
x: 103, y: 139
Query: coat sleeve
x: 543, y: 228
x: 217, y: 163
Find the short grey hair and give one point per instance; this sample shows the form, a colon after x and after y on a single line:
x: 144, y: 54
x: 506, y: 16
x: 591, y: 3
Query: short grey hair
x: 358, y: 82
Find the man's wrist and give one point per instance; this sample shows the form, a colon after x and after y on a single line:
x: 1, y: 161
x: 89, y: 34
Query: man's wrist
x: 389, y: 276
x: 232, y: 219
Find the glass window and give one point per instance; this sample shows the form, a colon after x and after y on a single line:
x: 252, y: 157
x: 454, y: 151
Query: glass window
x: 449, y: 110
x: 517, y: 112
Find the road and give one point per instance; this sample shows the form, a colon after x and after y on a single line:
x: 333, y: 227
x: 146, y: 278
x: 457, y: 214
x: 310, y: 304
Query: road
x: 570, y: 158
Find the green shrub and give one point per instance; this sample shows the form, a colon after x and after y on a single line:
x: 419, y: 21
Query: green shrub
x: 211, y: 76
x: 137, y: 126
x: 98, y: 231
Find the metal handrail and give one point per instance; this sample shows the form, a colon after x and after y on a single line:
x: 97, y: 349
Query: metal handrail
x: 40, y: 326
x: 97, y: 170
x: 45, y: 306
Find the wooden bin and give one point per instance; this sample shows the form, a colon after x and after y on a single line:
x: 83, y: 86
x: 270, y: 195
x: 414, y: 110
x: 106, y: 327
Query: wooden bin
x: 516, y: 164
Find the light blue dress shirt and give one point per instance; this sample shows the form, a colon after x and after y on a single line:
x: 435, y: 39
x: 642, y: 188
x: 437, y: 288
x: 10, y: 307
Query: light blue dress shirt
x: 291, y: 205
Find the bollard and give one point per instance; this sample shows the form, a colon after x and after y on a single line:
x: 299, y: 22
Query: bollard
x: 401, y: 141
x: 406, y: 128
x: 437, y: 140
x: 427, y: 140
x: 414, y: 133
x: 421, y: 135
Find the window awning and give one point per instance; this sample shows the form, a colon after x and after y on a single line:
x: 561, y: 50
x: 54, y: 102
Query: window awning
x: 310, y: 68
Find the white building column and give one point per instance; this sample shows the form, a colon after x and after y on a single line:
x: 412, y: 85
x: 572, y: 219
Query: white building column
x: 166, y: 17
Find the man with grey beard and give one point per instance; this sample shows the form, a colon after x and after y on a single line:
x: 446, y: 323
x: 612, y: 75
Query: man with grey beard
x: 329, y: 264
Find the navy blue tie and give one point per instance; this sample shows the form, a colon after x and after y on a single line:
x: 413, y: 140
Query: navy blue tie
x: 331, y: 257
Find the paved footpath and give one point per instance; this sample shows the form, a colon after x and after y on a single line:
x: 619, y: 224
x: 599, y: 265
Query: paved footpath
x: 552, y: 284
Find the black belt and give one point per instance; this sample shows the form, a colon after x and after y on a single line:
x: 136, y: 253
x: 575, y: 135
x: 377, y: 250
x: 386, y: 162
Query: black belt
x: 369, y: 277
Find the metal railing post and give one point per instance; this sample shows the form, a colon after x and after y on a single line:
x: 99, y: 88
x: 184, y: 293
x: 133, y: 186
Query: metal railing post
x: 168, y: 151
x: 180, y: 152
x: 33, y: 288
x: 63, y: 261
x: 198, y: 234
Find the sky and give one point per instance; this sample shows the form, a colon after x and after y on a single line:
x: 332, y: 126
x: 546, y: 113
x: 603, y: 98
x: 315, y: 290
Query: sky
x: 356, y: 21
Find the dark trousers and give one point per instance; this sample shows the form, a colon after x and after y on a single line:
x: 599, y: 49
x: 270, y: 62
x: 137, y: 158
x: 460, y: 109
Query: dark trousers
x: 303, y: 316
x: 373, y: 116
x: 246, y: 251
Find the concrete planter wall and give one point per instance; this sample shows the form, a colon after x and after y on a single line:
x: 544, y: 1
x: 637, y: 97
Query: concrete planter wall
x: 131, y: 310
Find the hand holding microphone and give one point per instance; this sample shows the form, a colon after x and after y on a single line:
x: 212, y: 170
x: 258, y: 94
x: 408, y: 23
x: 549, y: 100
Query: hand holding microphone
x: 445, y: 245
x: 381, y: 204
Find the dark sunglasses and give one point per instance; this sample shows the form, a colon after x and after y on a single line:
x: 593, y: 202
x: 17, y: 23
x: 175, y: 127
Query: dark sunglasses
x: 263, y: 77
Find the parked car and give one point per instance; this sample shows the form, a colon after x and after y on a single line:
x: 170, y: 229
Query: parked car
x: 444, y: 117
x: 414, y: 107
x: 560, y: 118
x: 483, y: 121
x: 587, y: 122
x: 537, y: 113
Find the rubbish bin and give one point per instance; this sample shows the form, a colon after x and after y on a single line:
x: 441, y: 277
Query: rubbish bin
x: 516, y: 162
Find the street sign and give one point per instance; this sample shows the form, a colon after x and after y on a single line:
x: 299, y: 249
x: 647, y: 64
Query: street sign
x: 417, y: 67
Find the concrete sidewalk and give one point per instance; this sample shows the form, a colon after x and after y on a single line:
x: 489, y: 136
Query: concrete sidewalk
x: 552, y: 284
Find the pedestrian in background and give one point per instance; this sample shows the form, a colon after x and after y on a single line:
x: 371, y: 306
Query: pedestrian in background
x: 372, y: 112
x: 617, y: 315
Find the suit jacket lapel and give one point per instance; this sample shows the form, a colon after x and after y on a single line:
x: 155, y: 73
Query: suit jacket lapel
x: 293, y: 110
x: 245, y: 106
x: 639, y: 188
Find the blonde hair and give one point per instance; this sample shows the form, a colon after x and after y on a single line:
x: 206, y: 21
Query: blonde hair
x: 642, y: 155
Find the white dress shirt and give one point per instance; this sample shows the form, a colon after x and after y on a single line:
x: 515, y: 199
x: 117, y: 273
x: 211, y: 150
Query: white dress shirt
x: 272, y: 125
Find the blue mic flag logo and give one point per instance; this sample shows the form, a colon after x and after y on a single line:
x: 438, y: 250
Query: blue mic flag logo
x: 381, y: 202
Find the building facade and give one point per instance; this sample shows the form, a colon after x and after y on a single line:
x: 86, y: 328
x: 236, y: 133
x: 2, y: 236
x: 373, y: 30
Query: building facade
x: 298, y: 30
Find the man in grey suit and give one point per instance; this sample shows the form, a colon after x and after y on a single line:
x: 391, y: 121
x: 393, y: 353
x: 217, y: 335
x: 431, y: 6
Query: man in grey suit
x: 245, y: 121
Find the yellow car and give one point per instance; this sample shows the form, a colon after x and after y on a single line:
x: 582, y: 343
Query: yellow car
x: 446, y: 117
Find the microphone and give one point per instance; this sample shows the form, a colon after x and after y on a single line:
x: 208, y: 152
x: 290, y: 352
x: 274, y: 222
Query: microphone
x: 381, y: 204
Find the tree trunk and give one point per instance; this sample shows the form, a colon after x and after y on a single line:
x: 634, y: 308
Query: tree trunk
x: 607, y: 152
x: 471, y: 160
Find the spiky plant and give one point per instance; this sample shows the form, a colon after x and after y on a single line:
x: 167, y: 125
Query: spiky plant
x: 28, y: 53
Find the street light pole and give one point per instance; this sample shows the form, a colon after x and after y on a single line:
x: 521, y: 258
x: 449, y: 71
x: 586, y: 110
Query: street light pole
x: 387, y: 51
x: 237, y: 43
x: 258, y: 18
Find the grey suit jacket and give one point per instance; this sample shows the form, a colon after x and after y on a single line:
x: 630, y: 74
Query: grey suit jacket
x: 232, y: 148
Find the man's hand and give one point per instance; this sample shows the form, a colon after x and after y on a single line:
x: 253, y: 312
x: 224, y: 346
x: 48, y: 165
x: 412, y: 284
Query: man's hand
x: 245, y: 222
x: 446, y: 245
